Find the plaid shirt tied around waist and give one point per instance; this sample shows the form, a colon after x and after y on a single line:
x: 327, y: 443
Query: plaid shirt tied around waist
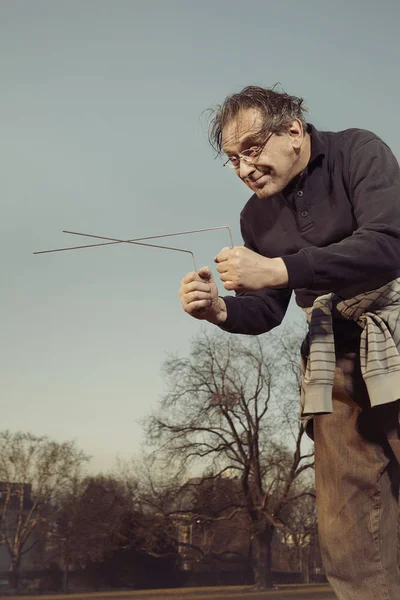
x: 378, y: 314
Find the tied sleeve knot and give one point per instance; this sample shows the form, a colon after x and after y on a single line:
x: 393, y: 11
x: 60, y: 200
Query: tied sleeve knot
x: 378, y: 314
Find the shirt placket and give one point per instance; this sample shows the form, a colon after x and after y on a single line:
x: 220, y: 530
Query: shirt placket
x: 302, y: 211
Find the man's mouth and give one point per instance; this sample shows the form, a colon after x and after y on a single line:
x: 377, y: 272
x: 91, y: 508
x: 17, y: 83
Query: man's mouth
x: 261, y: 180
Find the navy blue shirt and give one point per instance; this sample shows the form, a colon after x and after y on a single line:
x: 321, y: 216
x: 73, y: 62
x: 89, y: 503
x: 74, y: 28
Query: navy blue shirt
x: 336, y: 227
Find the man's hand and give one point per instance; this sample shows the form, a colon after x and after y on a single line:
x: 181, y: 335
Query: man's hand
x: 242, y: 269
x: 199, y: 297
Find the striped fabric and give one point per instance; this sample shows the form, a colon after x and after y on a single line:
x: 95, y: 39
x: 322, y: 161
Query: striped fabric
x: 378, y: 314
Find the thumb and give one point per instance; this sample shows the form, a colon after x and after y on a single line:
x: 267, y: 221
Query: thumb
x: 205, y: 273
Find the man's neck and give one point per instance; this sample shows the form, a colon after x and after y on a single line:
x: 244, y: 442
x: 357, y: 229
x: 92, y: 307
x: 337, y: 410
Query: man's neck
x: 301, y: 165
x: 305, y: 154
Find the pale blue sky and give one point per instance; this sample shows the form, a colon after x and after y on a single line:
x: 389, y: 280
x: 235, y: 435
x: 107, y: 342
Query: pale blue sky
x: 101, y: 132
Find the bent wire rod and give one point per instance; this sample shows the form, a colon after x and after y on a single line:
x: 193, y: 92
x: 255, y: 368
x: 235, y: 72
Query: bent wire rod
x: 137, y: 241
x: 152, y: 237
x: 126, y: 242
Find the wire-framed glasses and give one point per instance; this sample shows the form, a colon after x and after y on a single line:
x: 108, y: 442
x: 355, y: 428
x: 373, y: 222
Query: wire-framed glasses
x: 249, y: 156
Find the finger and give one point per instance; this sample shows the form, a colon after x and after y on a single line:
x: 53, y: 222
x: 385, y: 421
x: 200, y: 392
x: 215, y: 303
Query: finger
x: 195, y: 296
x: 223, y: 255
x: 236, y: 287
x: 222, y: 267
x: 192, y: 276
x: 230, y: 285
x: 226, y: 276
x: 197, y: 306
x: 205, y: 273
x: 202, y: 286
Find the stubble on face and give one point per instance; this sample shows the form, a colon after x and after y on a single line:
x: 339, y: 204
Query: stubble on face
x: 277, y: 164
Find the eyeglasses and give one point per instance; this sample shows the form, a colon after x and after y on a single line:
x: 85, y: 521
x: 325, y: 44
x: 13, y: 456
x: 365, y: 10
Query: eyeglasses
x: 250, y: 156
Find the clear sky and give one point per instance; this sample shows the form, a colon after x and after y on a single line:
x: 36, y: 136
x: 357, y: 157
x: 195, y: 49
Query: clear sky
x: 101, y: 132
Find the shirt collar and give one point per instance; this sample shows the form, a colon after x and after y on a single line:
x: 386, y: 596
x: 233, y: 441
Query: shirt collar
x: 318, y: 143
x: 318, y: 151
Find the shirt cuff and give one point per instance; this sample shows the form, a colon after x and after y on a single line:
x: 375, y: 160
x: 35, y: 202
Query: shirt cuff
x: 300, y: 271
x: 232, y: 313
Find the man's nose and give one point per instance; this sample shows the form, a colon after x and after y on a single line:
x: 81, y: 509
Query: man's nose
x: 245, y: 169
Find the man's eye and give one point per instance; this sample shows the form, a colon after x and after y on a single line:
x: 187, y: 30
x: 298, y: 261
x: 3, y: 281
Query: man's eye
x: 252, y: 151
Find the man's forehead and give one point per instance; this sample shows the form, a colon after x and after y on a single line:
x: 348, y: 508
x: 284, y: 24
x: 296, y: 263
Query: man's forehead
x: 245, y: 124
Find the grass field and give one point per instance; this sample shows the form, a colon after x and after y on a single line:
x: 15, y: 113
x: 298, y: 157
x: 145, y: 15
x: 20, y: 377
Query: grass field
x: 285, y: 592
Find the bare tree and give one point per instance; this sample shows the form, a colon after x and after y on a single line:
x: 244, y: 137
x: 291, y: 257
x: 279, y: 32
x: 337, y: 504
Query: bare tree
x: 299, y: 534
x: 89, y: 522
x: 154, y: 488
x: 232, y: 408
x: 34, y: 472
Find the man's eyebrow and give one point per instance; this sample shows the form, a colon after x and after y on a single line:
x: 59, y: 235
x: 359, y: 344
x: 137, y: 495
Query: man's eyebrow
x: 251, y: 137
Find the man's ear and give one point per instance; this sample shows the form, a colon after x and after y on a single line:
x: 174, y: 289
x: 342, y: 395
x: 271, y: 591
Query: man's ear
x: 296, y: 133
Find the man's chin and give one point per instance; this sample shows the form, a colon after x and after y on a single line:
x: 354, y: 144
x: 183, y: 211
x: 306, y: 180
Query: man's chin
x: 265, y: 187
x: 266, y: 191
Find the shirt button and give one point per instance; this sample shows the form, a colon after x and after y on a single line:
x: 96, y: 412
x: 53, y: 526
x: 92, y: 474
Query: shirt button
x: 300, y: 193
x: 304, y: 213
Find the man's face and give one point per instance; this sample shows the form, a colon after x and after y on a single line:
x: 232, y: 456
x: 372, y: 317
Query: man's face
x: 279, y: 161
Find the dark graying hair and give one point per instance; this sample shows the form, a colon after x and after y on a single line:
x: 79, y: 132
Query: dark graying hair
x: 278, y: 108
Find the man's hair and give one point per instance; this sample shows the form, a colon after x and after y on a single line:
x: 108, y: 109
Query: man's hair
x: 278, y: 109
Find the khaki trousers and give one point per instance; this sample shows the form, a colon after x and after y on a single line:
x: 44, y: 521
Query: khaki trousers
x: 357, y: 457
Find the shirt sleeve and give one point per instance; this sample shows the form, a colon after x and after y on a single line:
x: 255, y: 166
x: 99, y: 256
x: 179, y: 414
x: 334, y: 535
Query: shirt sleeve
x: 253, y: 313
x: 373, y: 179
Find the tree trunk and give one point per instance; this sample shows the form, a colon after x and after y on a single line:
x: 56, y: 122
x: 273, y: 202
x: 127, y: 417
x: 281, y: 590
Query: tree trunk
x: 307, y: 573
x: 13, y: 574
x: 262, y: 558
x: 65, y: 581
x: 301, y: 560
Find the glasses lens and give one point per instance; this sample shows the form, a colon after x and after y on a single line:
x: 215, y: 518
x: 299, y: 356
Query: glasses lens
x: 251, y: 152
x: 232, y: 163
x: 249, y: 156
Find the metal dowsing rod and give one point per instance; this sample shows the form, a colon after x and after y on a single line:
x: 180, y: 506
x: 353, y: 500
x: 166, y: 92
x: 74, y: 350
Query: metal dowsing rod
x: 124, y: 242
x: 137, y: 241
x: 152, y: 237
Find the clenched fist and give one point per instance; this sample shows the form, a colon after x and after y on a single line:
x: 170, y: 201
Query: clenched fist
x: 242, y: 269
x: 199, y: 297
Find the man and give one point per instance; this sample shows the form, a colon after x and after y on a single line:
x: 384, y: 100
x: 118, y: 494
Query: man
x: 324, y: 221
